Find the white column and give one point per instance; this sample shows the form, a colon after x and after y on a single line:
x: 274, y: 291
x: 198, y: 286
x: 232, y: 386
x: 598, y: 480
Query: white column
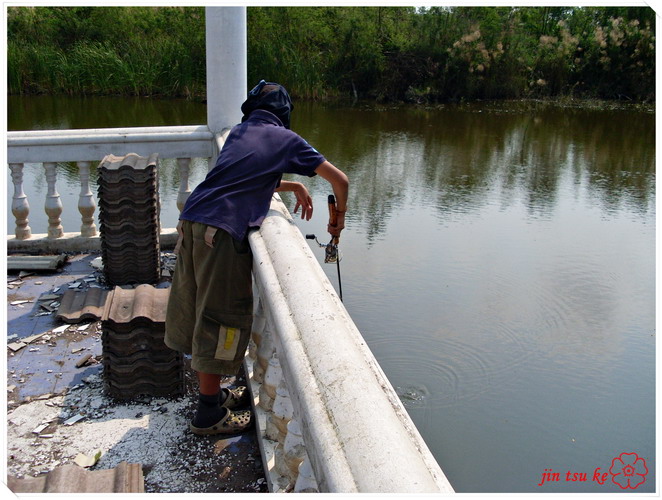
x: 184, y: 188
x: 20, y: 206
x: 86, y: 203
x: 226, y: 65
x: 53, y: 206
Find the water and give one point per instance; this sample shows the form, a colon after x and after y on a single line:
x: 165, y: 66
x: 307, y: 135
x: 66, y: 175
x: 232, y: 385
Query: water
x: 500, y: 262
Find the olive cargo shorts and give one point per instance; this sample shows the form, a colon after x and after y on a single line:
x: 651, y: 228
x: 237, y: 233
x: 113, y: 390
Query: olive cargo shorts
x: 211, y: 299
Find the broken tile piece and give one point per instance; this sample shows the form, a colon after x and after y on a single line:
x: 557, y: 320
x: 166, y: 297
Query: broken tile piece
x: 74, y: 419
x: 32, y: 338
x: 49, y: 296
x: 87, y: 461
x: 60, y: 329
x: 39, y: 428
x: 16, y: 346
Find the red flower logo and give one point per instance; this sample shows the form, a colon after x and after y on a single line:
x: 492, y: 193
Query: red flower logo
x: 628, y: 471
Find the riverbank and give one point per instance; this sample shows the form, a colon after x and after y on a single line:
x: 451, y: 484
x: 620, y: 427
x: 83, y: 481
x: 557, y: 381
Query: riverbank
x: 381, y: 53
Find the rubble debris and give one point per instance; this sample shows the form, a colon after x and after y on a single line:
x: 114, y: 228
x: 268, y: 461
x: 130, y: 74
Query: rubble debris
x: 19, y: 302
x: 83, y: 361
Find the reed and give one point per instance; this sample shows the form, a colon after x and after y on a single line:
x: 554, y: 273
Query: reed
x: 389, y: 53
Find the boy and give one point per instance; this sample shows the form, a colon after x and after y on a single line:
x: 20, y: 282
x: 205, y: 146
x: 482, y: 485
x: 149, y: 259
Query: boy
x: 211, y: 300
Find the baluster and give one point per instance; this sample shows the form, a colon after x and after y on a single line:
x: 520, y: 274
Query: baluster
x: 294, y: 450
x: 272, y: 377
x: 184, y: 189
x: 306, y: 482
x: 281, y: 414
x: 86, y: 203
x: 210, y: 164
x: 264, y: 353
x: 20, y: 206
x: 53, y: 206
x: 259, y: 321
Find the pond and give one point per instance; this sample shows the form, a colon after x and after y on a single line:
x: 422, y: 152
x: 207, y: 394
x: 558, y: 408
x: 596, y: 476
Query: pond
x: 499, y: 259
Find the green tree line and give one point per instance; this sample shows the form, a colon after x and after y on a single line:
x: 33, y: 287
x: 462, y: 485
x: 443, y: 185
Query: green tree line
x: 383, y: 53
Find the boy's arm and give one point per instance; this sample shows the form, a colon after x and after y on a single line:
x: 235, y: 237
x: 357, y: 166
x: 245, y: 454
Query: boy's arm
x: 303, y: 197
x: 340, y: 185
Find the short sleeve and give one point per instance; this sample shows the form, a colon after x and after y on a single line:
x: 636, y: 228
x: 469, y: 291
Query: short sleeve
x: 303, y: 158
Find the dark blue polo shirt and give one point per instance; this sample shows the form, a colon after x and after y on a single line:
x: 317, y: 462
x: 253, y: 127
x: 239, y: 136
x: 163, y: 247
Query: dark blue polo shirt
x: 236, y: 193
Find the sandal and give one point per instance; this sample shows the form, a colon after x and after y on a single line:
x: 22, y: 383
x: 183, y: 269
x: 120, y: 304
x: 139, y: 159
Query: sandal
x: 236, y: 398
x: 232, y: 423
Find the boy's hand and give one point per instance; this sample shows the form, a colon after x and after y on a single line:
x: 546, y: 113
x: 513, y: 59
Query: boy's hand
x: 335, y: 230
x: 304, y: 201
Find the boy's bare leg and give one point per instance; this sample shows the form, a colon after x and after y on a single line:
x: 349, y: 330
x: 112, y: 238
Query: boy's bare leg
x: 209, y: 383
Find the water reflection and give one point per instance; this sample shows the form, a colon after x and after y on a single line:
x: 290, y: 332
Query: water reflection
x: 452, y: 157
x: 48, y: 112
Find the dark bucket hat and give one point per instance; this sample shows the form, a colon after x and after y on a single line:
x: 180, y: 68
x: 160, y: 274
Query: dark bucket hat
x: 271, y: 97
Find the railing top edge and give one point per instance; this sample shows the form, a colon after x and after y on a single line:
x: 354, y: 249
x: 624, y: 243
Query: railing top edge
x: 178, y: 130
x: 307, y: 312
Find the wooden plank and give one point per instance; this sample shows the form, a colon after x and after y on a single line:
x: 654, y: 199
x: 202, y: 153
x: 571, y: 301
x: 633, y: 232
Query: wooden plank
x: 35, y: 262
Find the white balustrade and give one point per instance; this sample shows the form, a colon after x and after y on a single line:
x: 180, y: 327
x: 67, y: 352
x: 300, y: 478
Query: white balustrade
x: 85, y: 147
x: 20, y: 206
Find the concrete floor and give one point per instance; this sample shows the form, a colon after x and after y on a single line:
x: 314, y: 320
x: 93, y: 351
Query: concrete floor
x: 45, y: 370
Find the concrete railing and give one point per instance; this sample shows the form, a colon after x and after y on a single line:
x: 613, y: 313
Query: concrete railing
x: 85, y: 148
x: 330, y: 419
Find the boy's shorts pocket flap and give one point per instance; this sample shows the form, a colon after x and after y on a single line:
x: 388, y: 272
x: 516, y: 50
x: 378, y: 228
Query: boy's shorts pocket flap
x: 233, y: 332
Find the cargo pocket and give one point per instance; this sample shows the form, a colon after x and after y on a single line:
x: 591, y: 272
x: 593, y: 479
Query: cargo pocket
x: 228, y: 343
x: 232, y: 340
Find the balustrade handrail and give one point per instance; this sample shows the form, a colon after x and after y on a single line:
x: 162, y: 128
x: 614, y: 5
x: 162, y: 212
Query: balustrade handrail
x: 93, y: 144
x: 358, y: 435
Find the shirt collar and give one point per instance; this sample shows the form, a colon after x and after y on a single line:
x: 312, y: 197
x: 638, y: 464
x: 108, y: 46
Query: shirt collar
x: 265, y: 116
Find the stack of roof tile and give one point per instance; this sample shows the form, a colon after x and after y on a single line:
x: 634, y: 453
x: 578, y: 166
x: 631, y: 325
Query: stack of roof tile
x: 129, y: 218
x: 136, y: 361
